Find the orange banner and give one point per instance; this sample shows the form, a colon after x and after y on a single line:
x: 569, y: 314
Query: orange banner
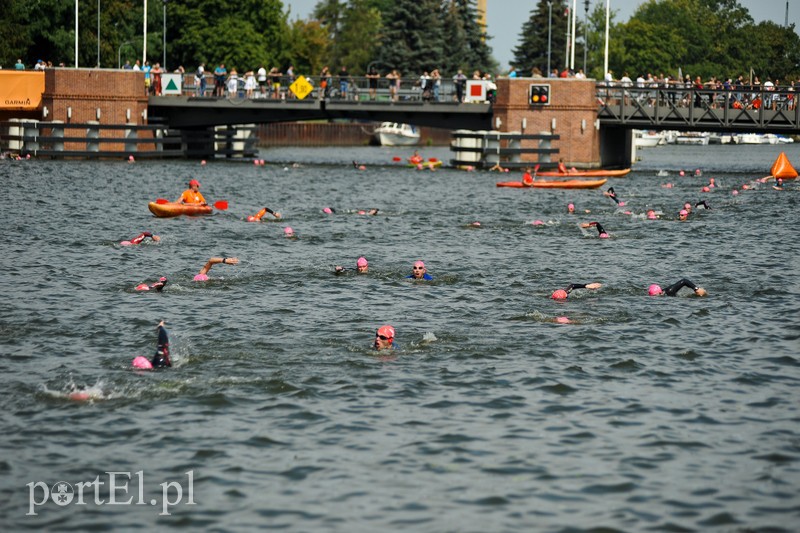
x: 20, y: 90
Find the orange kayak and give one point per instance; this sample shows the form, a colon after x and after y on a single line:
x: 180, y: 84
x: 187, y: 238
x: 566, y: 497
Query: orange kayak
x: 174, y: 209
x: 586, y: 174
x: 556, y: 184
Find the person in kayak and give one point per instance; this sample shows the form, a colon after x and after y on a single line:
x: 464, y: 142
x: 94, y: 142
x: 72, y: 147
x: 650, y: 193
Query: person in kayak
x: 139, y: 238
x: 672, y: 290
x: 601, y: 232
x: 418, y: 271
x: 562, y: 168
x: 192, y: 195
x: 562, y: 294
x: 362, y: 267
x: 203, y: 274
x: 384, y: 338
x: 527, y: 178
x: 258, y: 216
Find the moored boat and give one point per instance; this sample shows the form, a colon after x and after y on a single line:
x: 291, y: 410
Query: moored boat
x: 397, y: 134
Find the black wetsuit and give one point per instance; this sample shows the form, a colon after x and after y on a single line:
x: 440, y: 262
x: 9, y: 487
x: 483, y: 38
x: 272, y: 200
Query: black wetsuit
x: 673, y: 289
x: 573, y: 286
x: 612, y: 194
x: 600, y: 229
x: 704, y: 204
x: 161, y: 358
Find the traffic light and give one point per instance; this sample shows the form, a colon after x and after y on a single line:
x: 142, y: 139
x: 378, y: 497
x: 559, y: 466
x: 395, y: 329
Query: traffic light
x: 540, y: 95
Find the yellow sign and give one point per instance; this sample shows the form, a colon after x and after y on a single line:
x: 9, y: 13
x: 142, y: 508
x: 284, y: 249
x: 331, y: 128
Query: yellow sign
x: 301, y: 88
x: 21, y: 90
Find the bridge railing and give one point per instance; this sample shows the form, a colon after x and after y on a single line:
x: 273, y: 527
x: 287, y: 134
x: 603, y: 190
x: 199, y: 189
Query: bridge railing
x: 750, y: 106
x: 357, y: 88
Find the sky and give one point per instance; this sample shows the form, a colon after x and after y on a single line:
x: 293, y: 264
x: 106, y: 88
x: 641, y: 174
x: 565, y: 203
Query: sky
x: 504, y: 18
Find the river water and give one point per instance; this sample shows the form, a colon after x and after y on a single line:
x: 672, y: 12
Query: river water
x: 662, y: 414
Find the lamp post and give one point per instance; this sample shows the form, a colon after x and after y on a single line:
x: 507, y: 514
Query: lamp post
x: 144, y: 38
x: 585, y: 33
x: 76, y: 33
x: 164, y: 46
x: 549, y: 34
x: 605, y: 61
x: 98, y: 34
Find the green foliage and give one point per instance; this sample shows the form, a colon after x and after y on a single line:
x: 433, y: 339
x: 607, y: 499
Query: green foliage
x: 412, y: 40
x: 533, y: 41
x: 307, y: 43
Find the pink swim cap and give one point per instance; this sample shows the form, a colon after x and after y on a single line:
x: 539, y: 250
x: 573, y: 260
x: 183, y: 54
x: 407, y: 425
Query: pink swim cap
x: 697, y: 172
x: 327, y: 210
x: 621, y: 204
x: 362, y: 262
x: 125, y: 243
x: 705, y: 189
x: 651, y: 214
x: 537, y: 222
x: 562, y: 320
x: 735, y: 192
x: 288, y: 231
x: 142, y: 287
x: 476, y: 224
x: 684, y: 213
x: 559, y: 294
x: 571, y: 206
x: 386, y: 331
x: 203, y: 162
x: 604, y: 235
x: 201, y: 277
x: 654, y: 290
x: 682, y: 173
x: 419, y: 264
x: 142, y: 363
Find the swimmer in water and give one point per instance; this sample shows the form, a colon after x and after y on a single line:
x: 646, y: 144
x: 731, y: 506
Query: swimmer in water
x: 329, y: 210
x: 611, y: 194
x: 161, y: 357
x: 139, y: 238
x: 703, y: 204
x: 258, y: 216
x: 601, y: 232
x: 672, y: 290
x: 570, y: 208
x: 203, y: 274
x: 384, y: 338
x: 362, y: 267
x: 372, y: 212
x: 683, y: 215
x: 778, y: 184
x: 418, y: 271
x: 562, y: 294
x: 157, y: 286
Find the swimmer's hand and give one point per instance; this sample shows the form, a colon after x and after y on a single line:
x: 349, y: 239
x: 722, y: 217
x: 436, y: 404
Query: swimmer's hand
x: 338, y: 269
x: 700, y: 291
x: 593, y: 285
x: 161, y: 324
x: 231, y: 261
x: 276, y: 214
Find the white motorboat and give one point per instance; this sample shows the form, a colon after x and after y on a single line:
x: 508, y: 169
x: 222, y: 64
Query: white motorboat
x: 692, y: 137
x: 648, y: 138
x: 397, y: 134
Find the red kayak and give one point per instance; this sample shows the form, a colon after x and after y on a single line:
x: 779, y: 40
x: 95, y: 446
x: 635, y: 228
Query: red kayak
x: 586, y: 174
x: 555, y: 184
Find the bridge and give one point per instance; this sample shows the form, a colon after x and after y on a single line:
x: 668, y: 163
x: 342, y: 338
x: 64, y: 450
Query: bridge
x: 743, y: 110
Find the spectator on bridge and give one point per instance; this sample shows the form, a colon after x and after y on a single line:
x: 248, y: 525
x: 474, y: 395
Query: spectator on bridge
x: 147, y: 80
x: 249, y: 83
x: 460, y: 81
x: 220, y: 73
x: 156, y: 72
x: 372, y: 77
x: 19, y: 65
x: 344, y: 81
x: 261, y: 78
x: 200, y: 80
x: 436, y: 80
x: 324, y: 83
x: 275, y: 79
x: 233, y: 84
x: 394, y: 84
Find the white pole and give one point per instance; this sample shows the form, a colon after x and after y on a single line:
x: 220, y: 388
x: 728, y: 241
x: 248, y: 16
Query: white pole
x: 608, y: 17
x: 76, y: 33
x: 574, y: 16
x: 144, y: 44
x: 566, y: 47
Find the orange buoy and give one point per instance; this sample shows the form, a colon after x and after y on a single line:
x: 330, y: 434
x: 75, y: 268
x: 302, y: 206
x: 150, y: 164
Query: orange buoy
x: 782, y: 168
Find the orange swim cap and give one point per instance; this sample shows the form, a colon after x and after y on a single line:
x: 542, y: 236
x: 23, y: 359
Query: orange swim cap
x: 559, y: 294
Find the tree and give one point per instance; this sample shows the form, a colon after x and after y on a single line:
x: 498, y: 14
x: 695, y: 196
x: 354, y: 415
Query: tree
x: 412, y: 39
x: 307, y: 41
x: 533, y: 41
x: 359, y: 36
x: 477, y: 54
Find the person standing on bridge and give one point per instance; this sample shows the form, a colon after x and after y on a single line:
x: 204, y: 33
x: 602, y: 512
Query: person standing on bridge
x: 220, y: 73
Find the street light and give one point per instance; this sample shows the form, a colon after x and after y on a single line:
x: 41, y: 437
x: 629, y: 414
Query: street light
x: 549, y: 34
x: 164, y: 46
x: 585, y: 33
x: 98, y: 33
